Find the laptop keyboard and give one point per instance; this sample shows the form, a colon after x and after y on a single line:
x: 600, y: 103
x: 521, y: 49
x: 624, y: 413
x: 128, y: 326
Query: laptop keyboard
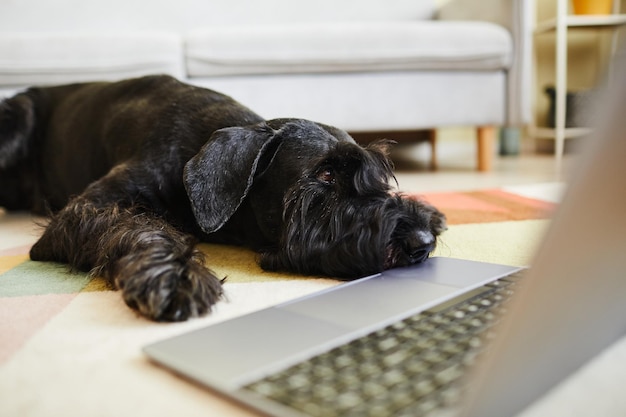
x: 409, y: 368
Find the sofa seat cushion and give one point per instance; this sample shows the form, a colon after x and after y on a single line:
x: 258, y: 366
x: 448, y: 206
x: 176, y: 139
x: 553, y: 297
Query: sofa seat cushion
x: 53, y: 58
x: 347, y: 47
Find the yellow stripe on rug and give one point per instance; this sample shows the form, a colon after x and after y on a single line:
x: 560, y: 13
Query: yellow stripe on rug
x: 510, y: 243
x: 8, y: 262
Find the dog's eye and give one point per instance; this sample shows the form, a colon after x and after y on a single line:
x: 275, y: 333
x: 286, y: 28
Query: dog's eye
x: 326, y: 175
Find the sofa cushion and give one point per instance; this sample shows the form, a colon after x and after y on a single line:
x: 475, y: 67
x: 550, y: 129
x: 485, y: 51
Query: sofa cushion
x: 182, y: 15
x: 347, y: 47
x: 52, y: 58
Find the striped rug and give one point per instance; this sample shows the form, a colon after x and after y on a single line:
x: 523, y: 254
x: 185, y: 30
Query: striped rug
x: 69, y: 346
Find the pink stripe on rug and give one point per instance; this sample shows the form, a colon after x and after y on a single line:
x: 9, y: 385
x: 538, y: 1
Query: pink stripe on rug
x: 488, y: 206
x: 22, y: 317
x: 18, y: 250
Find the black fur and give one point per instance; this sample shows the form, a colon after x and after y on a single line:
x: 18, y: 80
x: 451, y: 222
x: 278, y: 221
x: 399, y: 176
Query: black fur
x: 136, y: 172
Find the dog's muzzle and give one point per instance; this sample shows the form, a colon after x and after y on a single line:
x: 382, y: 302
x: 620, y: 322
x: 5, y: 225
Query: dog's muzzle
x: 419, y: 245
x: 409, y: 247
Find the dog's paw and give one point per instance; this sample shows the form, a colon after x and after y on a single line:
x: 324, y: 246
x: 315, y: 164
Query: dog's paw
x: 41, y: 251
x: 170, y: 290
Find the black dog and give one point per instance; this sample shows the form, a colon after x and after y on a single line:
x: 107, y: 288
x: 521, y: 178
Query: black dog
x: 137, y: 171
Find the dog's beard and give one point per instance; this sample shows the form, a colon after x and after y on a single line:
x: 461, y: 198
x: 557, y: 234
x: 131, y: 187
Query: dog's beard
x: 350, y: 238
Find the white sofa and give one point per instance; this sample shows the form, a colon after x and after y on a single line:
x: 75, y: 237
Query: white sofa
x: 362, y: 65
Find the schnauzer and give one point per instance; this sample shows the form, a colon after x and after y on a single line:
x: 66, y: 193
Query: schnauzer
x: 135, y: 173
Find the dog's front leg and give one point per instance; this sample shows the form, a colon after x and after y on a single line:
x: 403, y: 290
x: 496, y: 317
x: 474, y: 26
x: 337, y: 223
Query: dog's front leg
x: 158, y: 269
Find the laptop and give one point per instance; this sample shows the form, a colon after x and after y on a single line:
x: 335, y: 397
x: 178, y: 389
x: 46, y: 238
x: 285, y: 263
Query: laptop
x: 446, y: 337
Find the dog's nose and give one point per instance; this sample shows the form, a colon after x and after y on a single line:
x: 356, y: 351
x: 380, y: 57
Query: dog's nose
x: 420, y: 245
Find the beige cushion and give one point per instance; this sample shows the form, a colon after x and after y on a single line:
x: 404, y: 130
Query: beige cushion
x: 333, y: 47
x: 52, y: 58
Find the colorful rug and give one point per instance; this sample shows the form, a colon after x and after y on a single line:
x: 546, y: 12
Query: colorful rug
x: 69, y: 346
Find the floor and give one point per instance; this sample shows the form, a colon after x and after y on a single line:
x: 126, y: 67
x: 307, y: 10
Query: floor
x: 457, y: 165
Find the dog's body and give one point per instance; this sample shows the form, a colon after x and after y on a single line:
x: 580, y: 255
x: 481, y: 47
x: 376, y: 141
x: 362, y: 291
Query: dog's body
x: 136, y: 171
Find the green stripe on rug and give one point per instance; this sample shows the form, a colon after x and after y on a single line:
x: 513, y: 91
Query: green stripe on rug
x: 38, y: 278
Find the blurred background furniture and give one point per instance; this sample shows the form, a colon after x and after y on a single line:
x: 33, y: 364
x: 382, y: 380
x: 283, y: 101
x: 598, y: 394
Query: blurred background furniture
x: 591, y: 15
x: 362, y: 65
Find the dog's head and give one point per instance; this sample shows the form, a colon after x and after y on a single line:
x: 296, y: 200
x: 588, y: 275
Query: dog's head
x: 323, y: 202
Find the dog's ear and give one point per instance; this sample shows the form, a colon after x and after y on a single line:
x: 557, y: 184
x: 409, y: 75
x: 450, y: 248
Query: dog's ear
x: 219, y: 177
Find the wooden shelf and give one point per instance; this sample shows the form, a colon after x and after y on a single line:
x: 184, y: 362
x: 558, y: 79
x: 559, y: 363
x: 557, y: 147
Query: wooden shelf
x: 550, y: 133
x: 559, y: 26
x: 583, y: 21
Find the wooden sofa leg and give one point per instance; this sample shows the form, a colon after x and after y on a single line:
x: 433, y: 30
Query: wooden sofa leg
x: 485, y: 138
x: 432, y: 139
